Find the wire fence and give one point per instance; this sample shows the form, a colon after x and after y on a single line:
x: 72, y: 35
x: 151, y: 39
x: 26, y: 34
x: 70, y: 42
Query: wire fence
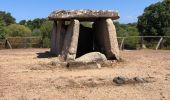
x: 21, y: 42
x: 129, y: 42
x: 143, y: 42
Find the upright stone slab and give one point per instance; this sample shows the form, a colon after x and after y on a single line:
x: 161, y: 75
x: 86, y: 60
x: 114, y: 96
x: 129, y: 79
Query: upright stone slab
x: 113, y: 39
x: 60, y: 36
x: 57, y: 37
x: 71, y: 41
x: 106, y: 39
x: 54, y: 39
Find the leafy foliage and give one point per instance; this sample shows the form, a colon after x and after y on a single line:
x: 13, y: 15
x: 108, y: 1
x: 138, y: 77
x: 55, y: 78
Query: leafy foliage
x: 15, y: 30
x: 124, y: 30
x: 40, y: 27
x: 46, y: 30
x: 2, y: 28
x: 7, y: 18
x: 33, y: 24
x: 155, y: 20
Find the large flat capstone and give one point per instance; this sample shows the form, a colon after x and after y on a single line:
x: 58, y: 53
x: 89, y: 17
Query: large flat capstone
x: 83, y: 15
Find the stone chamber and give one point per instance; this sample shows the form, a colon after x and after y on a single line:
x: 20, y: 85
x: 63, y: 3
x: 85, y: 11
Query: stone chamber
x: 71, y: 40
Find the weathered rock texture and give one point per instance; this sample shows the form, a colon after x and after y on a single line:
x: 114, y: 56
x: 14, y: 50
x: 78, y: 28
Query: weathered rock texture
x: 92, y: 57
x: 83, y: 14
x: 54, y: 39
x: 74, y: 40
x: 71, y: 41
x: 106, y: 39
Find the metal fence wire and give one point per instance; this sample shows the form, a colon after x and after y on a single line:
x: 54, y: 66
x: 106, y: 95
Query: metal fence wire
x: 21, y: 42
x: 129, y: 42
x: 143, y: 42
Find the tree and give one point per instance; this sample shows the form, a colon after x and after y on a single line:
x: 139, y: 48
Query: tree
x: 33, y: 24
x: 155, y: 20
x: 46, y: 30
x: 2, y: 28
x: 126, y: 29
x: 7, y: 18
x: 15, y: 30
x: 129, y: 29
x: 23, y: 22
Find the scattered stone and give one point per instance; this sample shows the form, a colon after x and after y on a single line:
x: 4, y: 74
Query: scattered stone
x: 82, y: 65
x: 89, y: 60
x: 120, y: 80
x: 92, y: 57
x: 139, y: 79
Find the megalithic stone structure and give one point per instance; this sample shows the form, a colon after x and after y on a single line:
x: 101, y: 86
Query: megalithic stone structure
x: 70, y: 39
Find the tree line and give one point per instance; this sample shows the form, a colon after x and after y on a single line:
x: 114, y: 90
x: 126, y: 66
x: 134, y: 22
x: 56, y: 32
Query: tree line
x: 155, y: 21
x: 40, y: 27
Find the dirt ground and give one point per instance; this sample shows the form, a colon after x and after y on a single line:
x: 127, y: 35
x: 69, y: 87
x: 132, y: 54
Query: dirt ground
x: 26, y: 74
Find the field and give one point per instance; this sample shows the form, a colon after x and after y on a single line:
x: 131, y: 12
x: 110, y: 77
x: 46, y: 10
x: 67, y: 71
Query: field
x: 27, y: 74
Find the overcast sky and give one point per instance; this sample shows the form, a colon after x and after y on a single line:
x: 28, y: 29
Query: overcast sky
x: 128, y: 10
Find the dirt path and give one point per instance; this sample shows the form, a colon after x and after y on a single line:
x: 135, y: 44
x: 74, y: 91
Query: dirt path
x: 24, y: 76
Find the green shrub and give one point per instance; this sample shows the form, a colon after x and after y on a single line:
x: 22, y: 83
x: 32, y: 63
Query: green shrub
x: 46, y: 42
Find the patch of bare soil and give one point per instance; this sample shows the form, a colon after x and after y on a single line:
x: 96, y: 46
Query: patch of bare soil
x: 29, y: 74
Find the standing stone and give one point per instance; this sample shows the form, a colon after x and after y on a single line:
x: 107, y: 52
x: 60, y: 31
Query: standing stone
x: 53, y: 39
x: 71, y: 41
x: 106, y: 38
x: 57, y: 37
x: 113, y: 39
x: 61, y: 31
x: 59, y: 28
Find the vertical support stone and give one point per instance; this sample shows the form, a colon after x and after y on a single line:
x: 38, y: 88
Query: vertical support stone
x: 106, y: 38
x: 57, y: 37
x: 71, y: 41
x: 54, y: 39
x: 113, y: 39
x: 60, y: 27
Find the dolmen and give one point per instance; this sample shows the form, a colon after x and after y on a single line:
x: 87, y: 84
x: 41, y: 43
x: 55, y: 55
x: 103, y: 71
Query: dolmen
x: 73, y: 41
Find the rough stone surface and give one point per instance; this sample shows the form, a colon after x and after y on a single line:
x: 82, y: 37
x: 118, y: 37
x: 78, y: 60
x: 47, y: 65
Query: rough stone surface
x: 92, y: 57
x: 123, y: 80
x: 83, y: 14
x: 113, y: 38
x: 139, y: 79
x: 53, y: 49
x: 82, y: 65
x: 120, y: 80
x: 71, y: 41
x: 89, y: 60
x: 106, y: 38
x: 57, y: 37
x: 60, y: 27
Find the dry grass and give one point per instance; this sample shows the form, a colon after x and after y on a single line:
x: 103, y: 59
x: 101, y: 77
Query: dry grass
x: 24, y: 76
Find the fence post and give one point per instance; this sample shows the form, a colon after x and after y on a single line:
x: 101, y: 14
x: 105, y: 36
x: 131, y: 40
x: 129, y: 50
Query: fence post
x: 122, y: 43
x: 159, y: 43
x: 8, y: 43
